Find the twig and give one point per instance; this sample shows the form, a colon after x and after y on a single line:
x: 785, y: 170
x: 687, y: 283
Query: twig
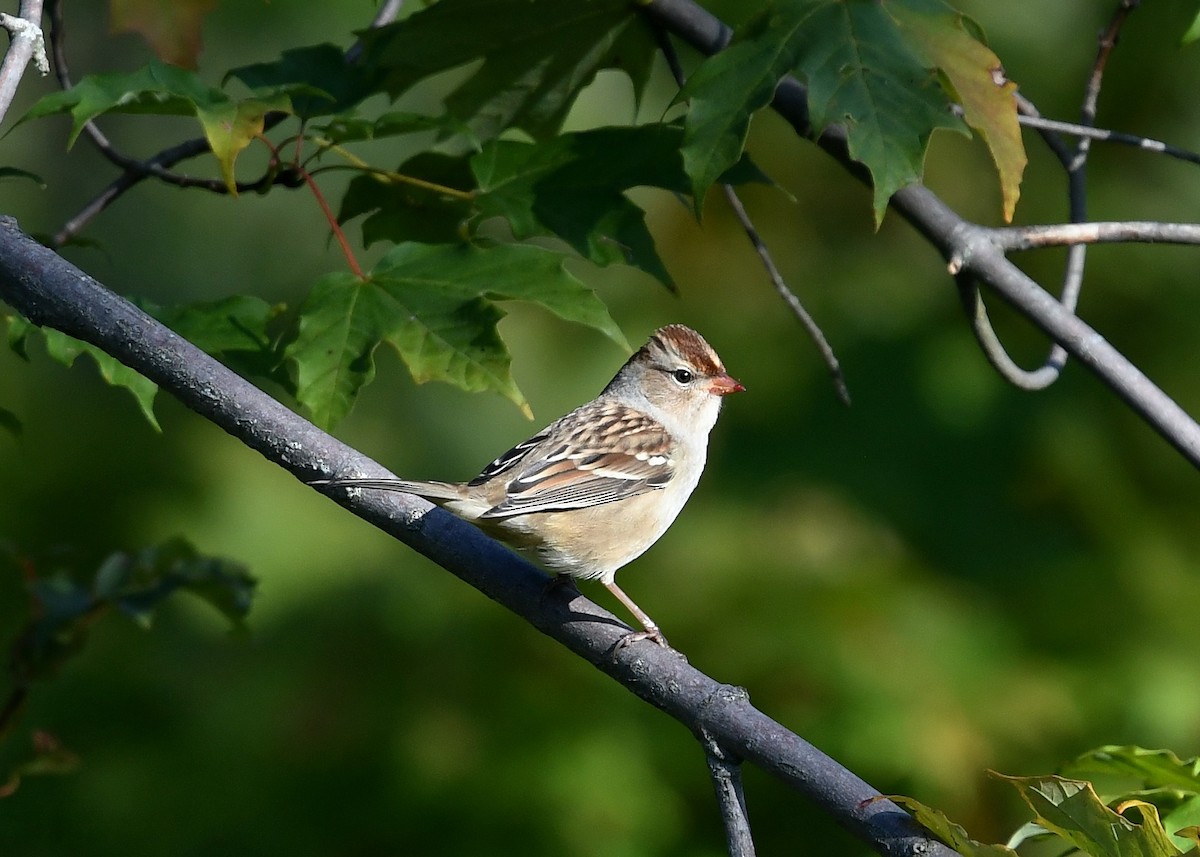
x: 26, y: 43
x: 789, y: 297
x: 330, y: 217
x: 1104, y: 135
x: 764, y: 253
x: 158, y: 166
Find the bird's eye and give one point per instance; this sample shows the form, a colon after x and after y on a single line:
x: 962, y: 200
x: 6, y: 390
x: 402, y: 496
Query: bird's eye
x: 683, y: 376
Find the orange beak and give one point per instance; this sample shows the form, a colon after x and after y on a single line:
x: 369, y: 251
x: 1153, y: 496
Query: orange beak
x: 723, y: 385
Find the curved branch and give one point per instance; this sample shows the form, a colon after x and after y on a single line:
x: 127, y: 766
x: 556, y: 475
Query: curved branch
x: 48, y: 290
x: 995, y: 352
x: 969, y: 248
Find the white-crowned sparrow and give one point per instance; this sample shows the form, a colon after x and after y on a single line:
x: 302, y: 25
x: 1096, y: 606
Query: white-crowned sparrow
x: 593, y: 490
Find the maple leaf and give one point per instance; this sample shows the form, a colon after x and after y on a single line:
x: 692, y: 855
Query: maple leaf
x: 171, y: 27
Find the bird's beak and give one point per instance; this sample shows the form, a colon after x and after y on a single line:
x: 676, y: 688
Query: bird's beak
x: 723, y: 385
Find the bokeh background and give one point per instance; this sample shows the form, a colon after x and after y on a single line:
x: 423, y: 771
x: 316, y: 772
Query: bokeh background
x: 949, y: 577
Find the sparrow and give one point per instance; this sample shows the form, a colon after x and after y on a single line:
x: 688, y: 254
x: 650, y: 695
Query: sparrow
x: 595, y: 489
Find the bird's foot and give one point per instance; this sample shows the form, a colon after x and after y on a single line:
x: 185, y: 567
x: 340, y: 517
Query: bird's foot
x: 637, y: 636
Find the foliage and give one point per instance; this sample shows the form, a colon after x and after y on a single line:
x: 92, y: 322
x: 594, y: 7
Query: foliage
x: 1163, y: 791
x: 66, y: 601
x: 868, y: 66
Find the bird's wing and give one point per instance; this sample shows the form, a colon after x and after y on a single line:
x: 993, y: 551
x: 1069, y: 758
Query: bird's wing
x: 575, y: 462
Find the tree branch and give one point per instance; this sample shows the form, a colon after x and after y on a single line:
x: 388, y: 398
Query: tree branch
x: 969, y: 248
x: 26, y: 43
x: 725, y: 770
x: 48, y: 290
x: 1096, y: 232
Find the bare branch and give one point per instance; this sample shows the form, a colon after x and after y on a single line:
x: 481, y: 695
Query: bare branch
x: 993, y: 349
x: 48, y: 290
x: 26, y: 43
x: 1096, y: 232
x: 1106, y: 136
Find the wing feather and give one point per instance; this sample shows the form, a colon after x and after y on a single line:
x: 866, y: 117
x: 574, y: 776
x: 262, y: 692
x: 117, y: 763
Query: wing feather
x: 543, y: 474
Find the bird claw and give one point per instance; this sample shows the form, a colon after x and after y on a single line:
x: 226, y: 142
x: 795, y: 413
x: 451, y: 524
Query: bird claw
x: 637, y: 636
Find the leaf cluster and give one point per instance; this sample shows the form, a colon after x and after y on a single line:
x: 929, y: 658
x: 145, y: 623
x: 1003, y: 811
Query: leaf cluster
x: 887, y: 72
x: 67, y: 599
x: 1134, y: 803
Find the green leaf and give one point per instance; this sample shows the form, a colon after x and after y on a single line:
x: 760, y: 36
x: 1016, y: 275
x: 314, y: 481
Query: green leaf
x: 860, y: 73
x: 1183, y: 823
x: 536, y: 56
x: 68, y: 599
x: 65, y: 349
x: 156, y: 88
x: 936, y: 822
x: 1193, y: 31
x: 235, y: 330
x: 571, y: 187
x: 324, y: 82
x: 436, y: 305
x: 1072, y: 810
x: 406, y: 211
x: 154, y: 574
x: 351, y: 129
x: 1149, y: 768
x: 975, y: 76
x: 228, y: 125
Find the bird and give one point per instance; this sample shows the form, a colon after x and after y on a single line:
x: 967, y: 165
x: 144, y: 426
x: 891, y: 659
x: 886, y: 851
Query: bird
x: 596, y: 488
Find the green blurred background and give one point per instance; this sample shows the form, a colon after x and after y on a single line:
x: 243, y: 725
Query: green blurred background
x: 950, y: 576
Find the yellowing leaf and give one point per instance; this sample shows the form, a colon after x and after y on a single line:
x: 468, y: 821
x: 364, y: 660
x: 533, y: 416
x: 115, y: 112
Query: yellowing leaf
x: 172, y: 27
x: 1073, y: 810
x: 231, y: 128
x: 954, y: 835
x: 976, y: 76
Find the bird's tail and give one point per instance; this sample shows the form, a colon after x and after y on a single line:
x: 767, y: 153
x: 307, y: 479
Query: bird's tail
x: 429, y: 490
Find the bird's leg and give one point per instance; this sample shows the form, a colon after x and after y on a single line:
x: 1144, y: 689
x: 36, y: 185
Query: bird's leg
x: 651, y: 632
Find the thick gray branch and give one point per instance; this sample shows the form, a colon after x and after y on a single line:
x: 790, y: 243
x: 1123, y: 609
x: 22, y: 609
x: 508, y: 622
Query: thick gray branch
x: 970, y: 249
x: 50, y: 291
